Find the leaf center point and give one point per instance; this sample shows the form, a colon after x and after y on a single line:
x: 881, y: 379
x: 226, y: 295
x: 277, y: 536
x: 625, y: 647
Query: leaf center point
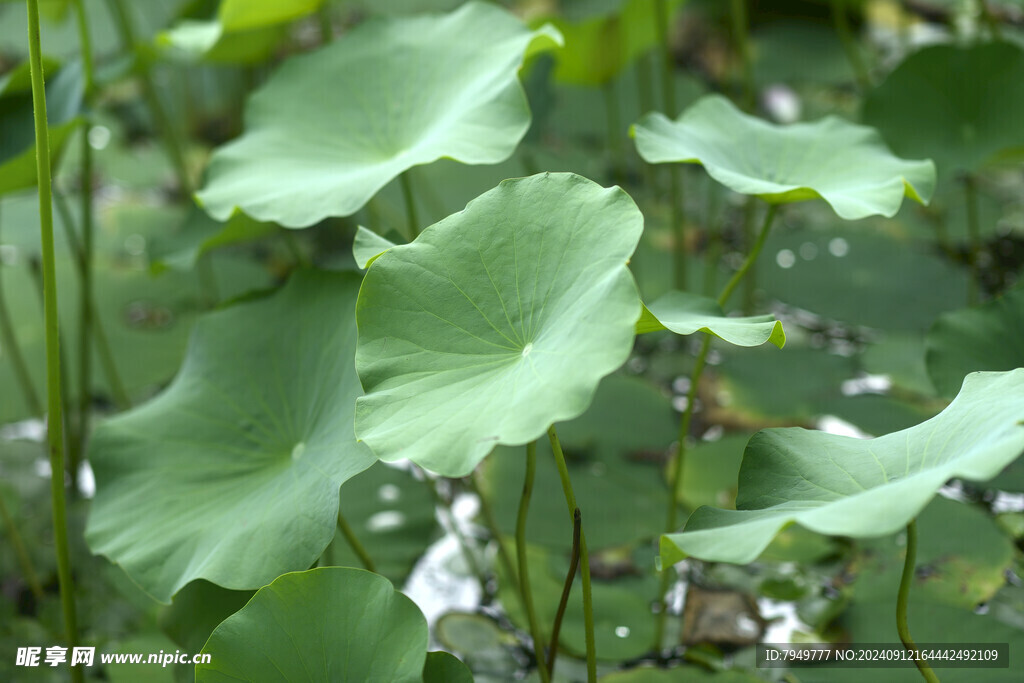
x: 527, y: 349
x: 299, y: 449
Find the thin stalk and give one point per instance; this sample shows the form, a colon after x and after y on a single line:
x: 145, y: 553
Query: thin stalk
x: 31, y: 578
x: 574, y: 560
x: 675, y: 188
x: 13, y: 351
x: 324, y: 19
x: 668, y: 92
x: 687, y: 418
x: 55, y: 416
x: 36, y: 271
x: 713, y: 248
x: 85, y: 292
x: 208, y: 279
x: 974, y: 238
x: 645, y: 96
x: 487, y: 512
x: 990, y: 20
x: 853, y: 55
x: 901, y: 604
x: 353, y: 542
x: 740, y: 35
x: 588, y: 598
x: 524, y: 566
x: 410, y: 206
x: 119, y: 393
x: 755, y: 251
x: 467, y: 553
x: 612, y: 118
x: 145, y: 73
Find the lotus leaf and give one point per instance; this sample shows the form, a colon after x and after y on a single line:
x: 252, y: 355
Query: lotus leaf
x: 861, y: 488
x: 403, y: 92
x: 232, y: 473
x: 496, y: 322
x: 845, y: 164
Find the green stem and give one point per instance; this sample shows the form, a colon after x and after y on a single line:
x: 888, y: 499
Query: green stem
x: 901, y: 604
x: 118, y: 392
x: 524, y: 566
x: 487, y: 512
x: 55, y: 416
x: 740, y: 35
x: 974, y: 239
x: 410, y: 206
x: 842, y: 26
x: 31, y: 578
x: 755, y: 251
x: 588, y: 598
x: 208, y: 280
x: 145, y: 73
x: 611, y: 107
x: 990, y: 20
x: 13, y: 351
x: 676, y: 483
x: 662, y: 14
x: 574, y: 560
x: 713, y: 247
x: 85, y: 292
x: 324, y: 19
x: 353, y: 542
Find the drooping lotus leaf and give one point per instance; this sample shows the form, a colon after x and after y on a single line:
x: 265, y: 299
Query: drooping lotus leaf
x: 332, y: 624
x: 402, y: 92
x: 64, y: 91
x: 598, y: 48
x: 861, y: 488
x: 986, y: 337
x: 845, y: 164
x: 368, y: 245
x: 232, y: 473
x: 251, y: 25
x: 442, y: 667
x: 687, y: 313
x: 496, y: 322
x: 958, y: 105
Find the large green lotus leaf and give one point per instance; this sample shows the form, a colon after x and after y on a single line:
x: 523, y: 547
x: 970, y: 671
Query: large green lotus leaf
x: 845, y: 164
x: 496, y: 322
x: 332, y: 624
x: 844, y: 486
x: 64, y: 91
x: 197, y: 610
x: 442, y: 667
x: 962, y: 558
x: 402, y: 92
x: 686, y: 313
x: 597, y: 49
x: 232, y: 473
x: 987, y: 337
x: 958, y: 105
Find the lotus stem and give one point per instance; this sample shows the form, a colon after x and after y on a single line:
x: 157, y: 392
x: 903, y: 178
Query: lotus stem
x: 524, y: 566
x: 492, y: 526
x: 588, y: 598
x: 612, y: 118
x: 974, y: 239
x: 31, y: 578
x: 713, y: 247
x: 163, y: 122
x: 119, y: 394
x: 410, y: 206
x: 574, y: 560
x: 55, y: 414
x: 353, y: 542
x: 755, y: 251
x: 323, y: 16
x: 990, y: 20
x: 741, y: 35
x: 901, y: 604
x: 853, y: 55
x: 676, y: 483
x: 675, y: 184
x: 208, y: 279
x: 13, y: 351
